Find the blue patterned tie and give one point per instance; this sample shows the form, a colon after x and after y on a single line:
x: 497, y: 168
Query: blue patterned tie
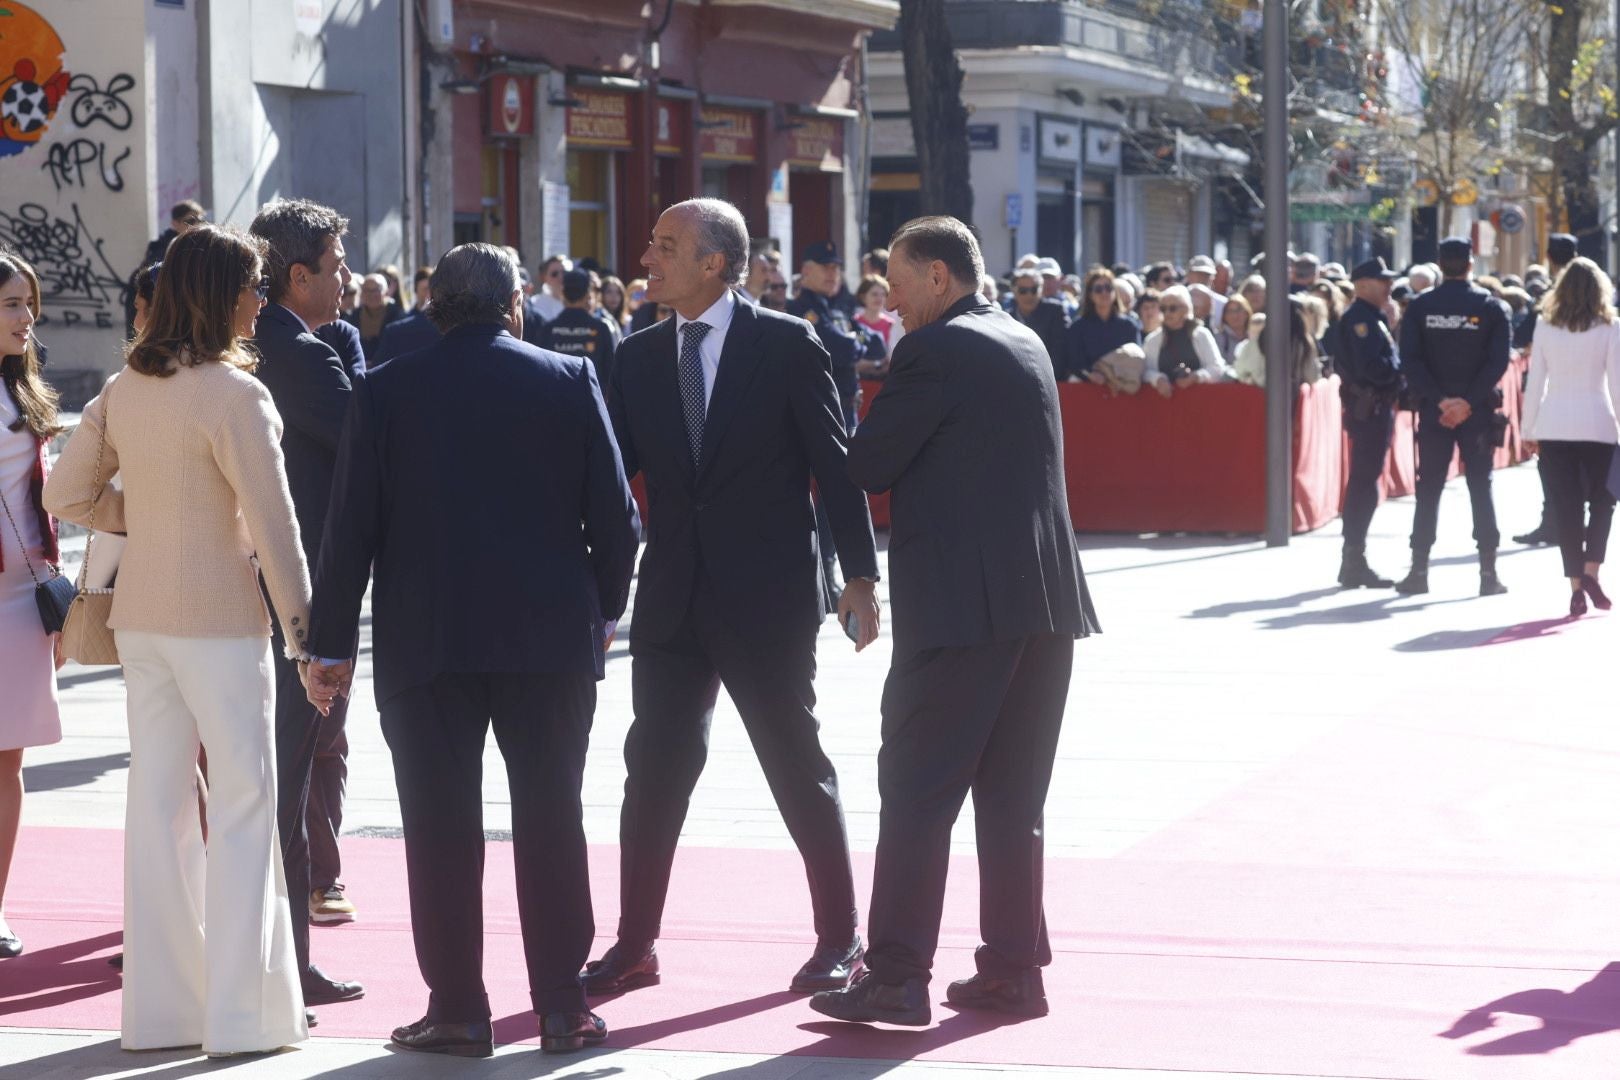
x: 691, y: 369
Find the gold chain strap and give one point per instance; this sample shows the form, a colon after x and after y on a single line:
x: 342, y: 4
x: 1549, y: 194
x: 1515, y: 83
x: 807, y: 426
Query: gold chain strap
x: 22, y: 545
x: 101, y: 447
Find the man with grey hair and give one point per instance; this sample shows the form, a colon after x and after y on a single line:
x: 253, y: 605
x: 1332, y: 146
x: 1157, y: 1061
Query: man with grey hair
x: 304, y: 261
x: 967, y: 430
x: 455, y: 655
x: 728, y: 410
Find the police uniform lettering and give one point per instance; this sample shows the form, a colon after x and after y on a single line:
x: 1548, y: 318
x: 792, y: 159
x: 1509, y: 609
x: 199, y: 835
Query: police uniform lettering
x: 578, y: 333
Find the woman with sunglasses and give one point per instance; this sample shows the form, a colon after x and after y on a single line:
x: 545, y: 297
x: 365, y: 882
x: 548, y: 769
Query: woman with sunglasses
x: 208, y: 948
x: 1102, y: 326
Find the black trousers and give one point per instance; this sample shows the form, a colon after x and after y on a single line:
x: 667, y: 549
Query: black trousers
x: 1369, y: 446
x: 985, y: 719
x: 298, y: 730
x: 674, y: 685
x: 1472, y: 438
x: 1576, y: 476
x: 328, y: 783
x: 436, y: 733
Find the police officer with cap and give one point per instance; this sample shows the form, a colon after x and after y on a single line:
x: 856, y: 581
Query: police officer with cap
x: 821, y: 275
x: 576, y: 331
x: 1370, y: 381
x: 1454, y: 350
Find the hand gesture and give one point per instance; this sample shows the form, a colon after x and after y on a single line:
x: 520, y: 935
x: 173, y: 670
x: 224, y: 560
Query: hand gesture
x: 860, y: 599
x: 326, y: 683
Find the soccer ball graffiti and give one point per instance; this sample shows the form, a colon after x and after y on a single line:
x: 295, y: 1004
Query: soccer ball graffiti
x: 23, y: 107
x: 33, y: 81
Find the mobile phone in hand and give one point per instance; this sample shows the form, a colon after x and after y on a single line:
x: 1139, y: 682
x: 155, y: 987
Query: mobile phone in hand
x: 852, y: 628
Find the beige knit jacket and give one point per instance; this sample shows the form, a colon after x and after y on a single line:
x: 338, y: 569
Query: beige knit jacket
x: 204, y: 503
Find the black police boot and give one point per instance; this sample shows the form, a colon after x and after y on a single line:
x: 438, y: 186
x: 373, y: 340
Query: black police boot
x: 1489, y: 583
x: 1416, y: 581
x: 1354, y: 573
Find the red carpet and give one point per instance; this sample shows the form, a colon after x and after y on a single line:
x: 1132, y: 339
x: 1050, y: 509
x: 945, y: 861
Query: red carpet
x: 1260, y: 935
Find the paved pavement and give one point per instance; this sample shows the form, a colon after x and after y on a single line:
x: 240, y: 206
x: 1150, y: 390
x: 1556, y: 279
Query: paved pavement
x: 1221, y: 660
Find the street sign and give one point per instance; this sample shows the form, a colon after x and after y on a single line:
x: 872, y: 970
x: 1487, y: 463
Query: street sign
x: 1464, y: 193
x: 1511, y: 219
x: 1014, y: 210
x: 984, y: 136
x: 1426, y: 192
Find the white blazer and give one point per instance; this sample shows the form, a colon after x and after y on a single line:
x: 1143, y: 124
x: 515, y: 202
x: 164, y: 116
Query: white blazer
x: 1574, y: 384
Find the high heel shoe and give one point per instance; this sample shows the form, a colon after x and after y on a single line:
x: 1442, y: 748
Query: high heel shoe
x: 1577, y: 604
x: 1590, y: 586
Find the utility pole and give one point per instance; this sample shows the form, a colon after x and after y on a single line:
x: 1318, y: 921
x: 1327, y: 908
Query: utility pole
x: 1280, y: 390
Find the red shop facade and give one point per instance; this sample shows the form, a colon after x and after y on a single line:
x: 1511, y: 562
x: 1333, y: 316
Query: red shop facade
x: 615, y: 119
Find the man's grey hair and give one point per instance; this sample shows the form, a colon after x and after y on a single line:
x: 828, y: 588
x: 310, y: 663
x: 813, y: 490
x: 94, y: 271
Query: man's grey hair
x: 720, y: 228
x: 473, y: 283
x: 297, y: 232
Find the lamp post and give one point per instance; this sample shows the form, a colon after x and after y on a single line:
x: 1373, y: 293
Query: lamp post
x: 1280, y: 390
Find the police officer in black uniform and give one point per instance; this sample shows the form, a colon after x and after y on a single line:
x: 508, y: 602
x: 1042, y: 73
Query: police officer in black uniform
x: 1454, y: 350
x: 576, y: 331
x: 821, y: 275
x: 1369, y: 384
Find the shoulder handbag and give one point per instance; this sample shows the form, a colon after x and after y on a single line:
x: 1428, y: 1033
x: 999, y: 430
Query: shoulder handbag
x: 55, y: 593
x: 86, y: 637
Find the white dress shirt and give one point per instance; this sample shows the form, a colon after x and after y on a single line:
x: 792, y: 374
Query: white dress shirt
x: 1574, y: 387
x: 719, y: 319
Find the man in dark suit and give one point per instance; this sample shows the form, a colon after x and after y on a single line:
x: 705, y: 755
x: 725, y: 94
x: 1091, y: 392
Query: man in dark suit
x: 344, y: 337
x: 728, y: 410
x: 414, y: 331
x: 457, y: 649
x: 988, y: 599
x: 304, y: 263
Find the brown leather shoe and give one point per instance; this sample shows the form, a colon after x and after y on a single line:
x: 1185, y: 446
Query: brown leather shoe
x: 831, y: 968
x: 468, y: 1038
x: 1023, y: 994
x: 621, y: 969
x: 561, y: 1032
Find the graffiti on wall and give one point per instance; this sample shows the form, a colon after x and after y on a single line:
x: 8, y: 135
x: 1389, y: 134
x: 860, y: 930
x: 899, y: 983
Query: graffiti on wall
x: 77, y: 281
x: 33, y: 81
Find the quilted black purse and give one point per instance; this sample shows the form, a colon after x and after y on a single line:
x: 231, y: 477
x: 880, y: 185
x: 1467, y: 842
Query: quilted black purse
x: 55, y: 594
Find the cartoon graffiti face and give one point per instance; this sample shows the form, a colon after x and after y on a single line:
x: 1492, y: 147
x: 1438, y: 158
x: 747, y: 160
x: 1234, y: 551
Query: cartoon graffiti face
x: 94, y: 103
x: 32, y: 81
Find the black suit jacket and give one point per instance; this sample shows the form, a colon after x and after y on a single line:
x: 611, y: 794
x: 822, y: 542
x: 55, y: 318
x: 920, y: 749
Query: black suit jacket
x: 1051, y: 324
x: 414, y: 331
x: 745, y: 515
x: 311, y: 391
x: 967, y: 438
x: 479, y: 478
x: 344, y: 337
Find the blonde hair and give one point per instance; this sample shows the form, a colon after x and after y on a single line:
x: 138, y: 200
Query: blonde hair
x: 1582, y: 299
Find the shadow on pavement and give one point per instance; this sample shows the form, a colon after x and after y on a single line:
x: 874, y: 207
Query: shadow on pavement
x: 52, y: 977
x: 1446, y: 640
x: 1371, y: 611
x: 1275, y: 603
x: 57, y: 775
x: 1592, y: 1008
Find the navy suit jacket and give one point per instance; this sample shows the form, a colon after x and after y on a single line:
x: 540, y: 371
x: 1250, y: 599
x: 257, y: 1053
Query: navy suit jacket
x: 311, y: 391
x: 773, y: 422
x: 479, y: 480
x: 344, y: 337
x: 414, y: 331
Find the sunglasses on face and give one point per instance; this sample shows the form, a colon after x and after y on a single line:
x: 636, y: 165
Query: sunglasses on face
x: 1099, y: 290
x: 1170, y: 309
x: 1028, y: 290
x: 778, y: 287
x: 262, y: 289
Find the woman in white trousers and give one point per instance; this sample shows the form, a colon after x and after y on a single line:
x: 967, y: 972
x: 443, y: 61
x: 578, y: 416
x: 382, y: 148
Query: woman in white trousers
x: 208, y: 954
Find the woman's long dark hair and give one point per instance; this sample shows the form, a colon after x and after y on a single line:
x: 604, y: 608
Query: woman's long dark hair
x: 1088, y: 307
x: 36, y: 400
x: 192, y: 319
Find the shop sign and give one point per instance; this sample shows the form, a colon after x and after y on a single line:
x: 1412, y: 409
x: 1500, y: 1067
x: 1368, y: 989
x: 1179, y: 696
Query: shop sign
x: 1464, y: 192
x: 1060, y: 141
x: 1511, y: 219
x: 817, y: 143
x: 729, y: 135
x: 308, y: 17
x: 601, y: 119
x: 1102, y: 147
x: 511, y: 105
x: 1425, y: 192
x: 672, y: 127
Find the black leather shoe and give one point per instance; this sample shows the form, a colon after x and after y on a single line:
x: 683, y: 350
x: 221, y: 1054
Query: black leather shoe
x: 469, y: 1038
x: 1590, y: 586
x: 1577, y: 604
x: 319, y: 990
x: 867, y: 1001
x: 1354, y: 573
x: 1415, y: 583
x: 830, y: 968
x: 1490, y: 584
x: 310, y: 1019
x: 621, y: 969
x: 561, y: 1032
x: 1536, y: 537
x: 10, y: 945
x: 1021, y: 995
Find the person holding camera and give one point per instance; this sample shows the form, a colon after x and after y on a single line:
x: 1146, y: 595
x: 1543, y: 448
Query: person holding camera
x: 1455, y: 341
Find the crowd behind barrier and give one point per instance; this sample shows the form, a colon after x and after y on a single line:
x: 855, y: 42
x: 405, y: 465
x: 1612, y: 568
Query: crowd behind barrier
x: 1195, y: 462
